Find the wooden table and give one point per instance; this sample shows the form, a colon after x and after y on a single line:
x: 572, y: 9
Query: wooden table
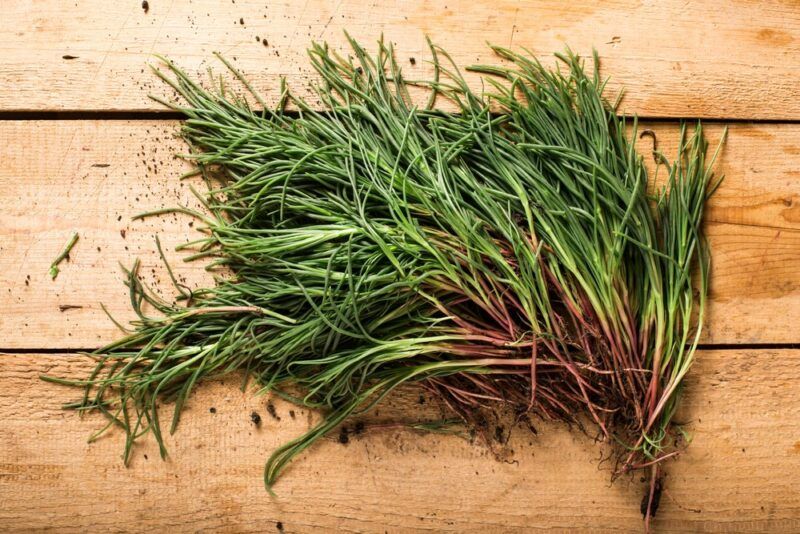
x: 83, y: 148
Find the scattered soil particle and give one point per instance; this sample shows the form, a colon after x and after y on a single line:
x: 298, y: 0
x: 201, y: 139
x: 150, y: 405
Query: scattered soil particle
x: 499, y: 433
x: 241, y: 21
x: 264, y: 42
x: 68, y: 57
x: 345, y: 432
x: 272, y: 412
x: 122, y: 233
x: 212, y: 410
x: 279, y: 526
x: 412, y: 60
x: 291, y: 414
x: 146, y: 6
x: 255, y: 418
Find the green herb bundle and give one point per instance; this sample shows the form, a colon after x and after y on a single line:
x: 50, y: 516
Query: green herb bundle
x: 510, y: 253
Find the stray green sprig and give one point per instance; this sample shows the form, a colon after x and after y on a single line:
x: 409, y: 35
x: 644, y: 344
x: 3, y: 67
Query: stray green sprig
x: 54, y: 270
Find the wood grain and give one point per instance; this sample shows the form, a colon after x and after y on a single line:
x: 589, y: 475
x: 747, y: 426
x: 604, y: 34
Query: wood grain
x: 738, y: 474
x: 719, y: 59
x: 93, y: 176
x: 728, y: 59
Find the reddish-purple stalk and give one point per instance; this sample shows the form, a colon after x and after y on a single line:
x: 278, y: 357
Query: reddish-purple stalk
x: 557, y: 386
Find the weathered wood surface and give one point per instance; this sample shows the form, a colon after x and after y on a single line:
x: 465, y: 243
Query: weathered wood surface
x: 93, y: 176
x: 738, y: 475
x: 733, y: 59
x: 726, y: 59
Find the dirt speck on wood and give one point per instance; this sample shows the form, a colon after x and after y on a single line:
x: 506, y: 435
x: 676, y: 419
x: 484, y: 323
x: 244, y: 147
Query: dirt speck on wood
x: 255, y: 418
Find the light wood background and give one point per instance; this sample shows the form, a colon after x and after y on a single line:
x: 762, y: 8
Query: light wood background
x: 83, y: 149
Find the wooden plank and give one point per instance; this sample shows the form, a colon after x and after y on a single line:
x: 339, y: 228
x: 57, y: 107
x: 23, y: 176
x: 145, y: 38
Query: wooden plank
x: 742, y: 412
x: 93, y: 176
x: 733, y: 58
